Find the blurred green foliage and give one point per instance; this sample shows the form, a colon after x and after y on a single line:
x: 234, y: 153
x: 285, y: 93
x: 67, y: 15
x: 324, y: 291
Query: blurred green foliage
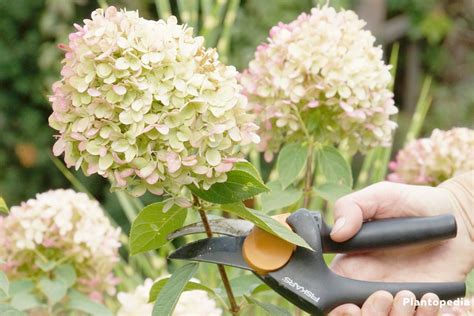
x: 29, y: 62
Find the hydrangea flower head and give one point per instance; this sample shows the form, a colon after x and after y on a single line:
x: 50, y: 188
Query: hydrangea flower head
x: 190, y: 303
x: 61, y: 226
x: 430, y: 161
x: 145, y: 104
x: 322, y: 69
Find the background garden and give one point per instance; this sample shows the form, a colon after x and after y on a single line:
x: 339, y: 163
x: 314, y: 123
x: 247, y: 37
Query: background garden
x: 429, y: 42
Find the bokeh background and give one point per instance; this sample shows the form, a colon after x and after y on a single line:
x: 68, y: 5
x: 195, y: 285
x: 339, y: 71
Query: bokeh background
x: 435, y: 38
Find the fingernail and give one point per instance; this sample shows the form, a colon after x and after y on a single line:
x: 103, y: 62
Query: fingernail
x: 340, y: 222
x: 406, y: 303
x: 383, y: 305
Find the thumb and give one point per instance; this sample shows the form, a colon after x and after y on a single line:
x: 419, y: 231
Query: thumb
x: 351, y: 210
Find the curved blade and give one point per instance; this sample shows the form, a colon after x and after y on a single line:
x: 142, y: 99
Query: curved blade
x: 220, y: 250
x: 222, y: 226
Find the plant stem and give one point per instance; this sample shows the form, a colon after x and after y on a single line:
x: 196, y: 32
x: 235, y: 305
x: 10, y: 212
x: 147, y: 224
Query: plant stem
x: 308, y: 180
x: 234, y: 307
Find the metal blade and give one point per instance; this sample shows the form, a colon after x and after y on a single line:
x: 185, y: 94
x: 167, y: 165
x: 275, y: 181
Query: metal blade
x: 220, y: 250
x: 222, y: 226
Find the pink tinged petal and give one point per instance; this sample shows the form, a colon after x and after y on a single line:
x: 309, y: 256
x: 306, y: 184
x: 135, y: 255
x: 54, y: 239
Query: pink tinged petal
x: 268, y: 156
x: 82, y: 146
x: 173, y: 165
x: 102, y: 151
x: 313, y: 104
x: 93, y: 168
x: 120, y: 90
x: 96, y: 296
x: 127, y: 173
x: 393, y: 177
x: 153, y: 178
x: 59, y: 147
x: 163, y: 129
x: 224, y: 167
x: 393, y: 165
x: 189, y: 161
x: 93, y: 92
x: 119, y: 179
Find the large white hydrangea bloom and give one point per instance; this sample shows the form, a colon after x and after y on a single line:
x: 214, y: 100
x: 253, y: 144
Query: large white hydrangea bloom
x: 147, y: 105
x: 190, y: 303
x: 324, y: 68
x: 432, y: 160
x: 61, y: 226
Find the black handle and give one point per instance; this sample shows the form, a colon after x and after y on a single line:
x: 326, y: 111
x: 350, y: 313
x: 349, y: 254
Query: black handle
x: 357, y: 292
x: 385, y: 233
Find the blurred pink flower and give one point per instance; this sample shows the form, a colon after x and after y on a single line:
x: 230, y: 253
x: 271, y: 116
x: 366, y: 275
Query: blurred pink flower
x: 325, y: 66
x: 432, y: 160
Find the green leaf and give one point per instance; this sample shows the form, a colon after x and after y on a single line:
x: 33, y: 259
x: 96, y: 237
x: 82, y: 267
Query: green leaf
x: 66, y: 273
x: 290, y: 163
x: 21, y: 286
x: 152, y: 226
x: 261, y: 288
x: 271, y: 309
x: 242, y: 285
x: 45, y: 266
x: 190, y: 286
x: 331, y: 191
x: 168, y: 297
x: 3, y: 206
x: 55, y: 290
x: 278, y: 198
x: 243, y: 182
x: 334, y: 167
x: 25, y: 301
x: 7, y: 310
x: 4, y: 284
x: 82, y: 303
x: 266, y: 223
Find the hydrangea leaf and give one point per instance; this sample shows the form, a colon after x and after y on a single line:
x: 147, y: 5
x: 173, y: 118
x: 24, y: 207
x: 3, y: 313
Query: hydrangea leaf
x: 66, y: 273
x: 169, y: 295
x: 279, y: 198
x: 153, y: 224
x: 25, y: 301
x: 270, y: 309
x: 7, y: 310
x: 82, y: 303
x: 4, y: 284
x: 55, y: 290
x: 266, y: 223
x: 243, y: 182
x: 331, y: 191
x: 3, y: 206
x: 291, y: 161
x: 190, y: 286
x: 334, y: 167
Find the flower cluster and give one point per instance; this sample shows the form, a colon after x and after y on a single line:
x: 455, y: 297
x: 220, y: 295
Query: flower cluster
x: 321, y: 71
x: 146, y: 104
x: 432, y: 160
x: 190, y: 303
x: 61, y: 226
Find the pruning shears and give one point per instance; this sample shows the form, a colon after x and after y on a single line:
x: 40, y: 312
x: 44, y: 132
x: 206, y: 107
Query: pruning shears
x: 301, y: 275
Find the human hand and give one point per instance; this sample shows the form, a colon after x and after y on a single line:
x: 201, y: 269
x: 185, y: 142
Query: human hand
x: 446, y: 261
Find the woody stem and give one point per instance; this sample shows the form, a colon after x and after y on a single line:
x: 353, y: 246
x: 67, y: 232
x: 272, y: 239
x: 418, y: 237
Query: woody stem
x: 234, y: 307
